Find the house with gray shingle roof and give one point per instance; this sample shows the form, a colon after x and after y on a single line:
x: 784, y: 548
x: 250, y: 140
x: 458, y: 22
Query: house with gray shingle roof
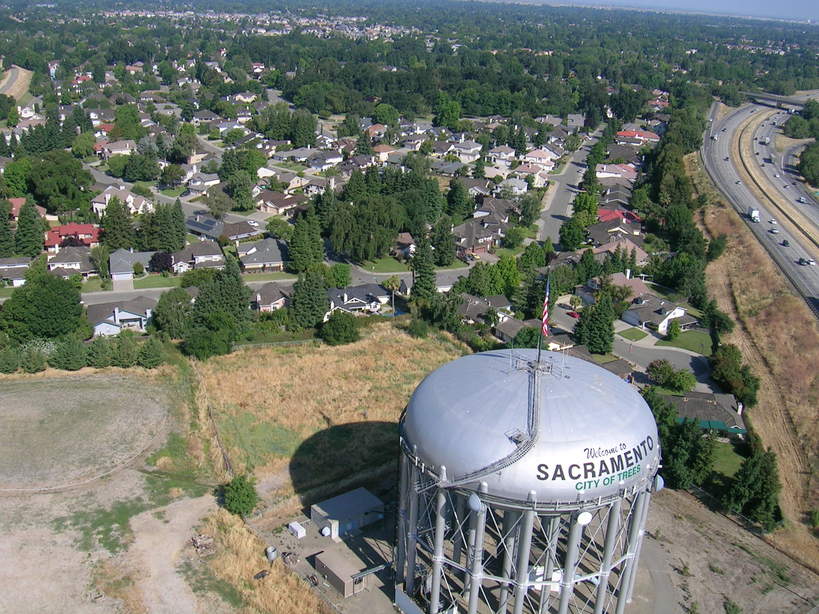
x: 121, y: 263
x: 264, y: 255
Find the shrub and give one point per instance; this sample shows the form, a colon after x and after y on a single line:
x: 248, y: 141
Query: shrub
x: 33, y: 360
x: 339, y: 329
x: 151, y: 354
x: 418, y: 328
x: 125, y: 350
x: 99, y: 353
x: 240, y: 496
x: 69, y: 355
x: 673, y: 330
x: 9, y: 360
x: 139, y: 269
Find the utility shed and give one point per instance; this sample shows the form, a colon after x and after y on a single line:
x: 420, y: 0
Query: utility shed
x: 347, y: 513
x: 339, y: 566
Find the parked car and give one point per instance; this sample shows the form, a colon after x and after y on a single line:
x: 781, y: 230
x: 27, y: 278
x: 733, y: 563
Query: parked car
x: 574, y: 314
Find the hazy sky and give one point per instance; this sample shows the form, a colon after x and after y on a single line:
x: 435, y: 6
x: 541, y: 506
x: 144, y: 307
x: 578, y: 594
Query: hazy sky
x: 788, y: 9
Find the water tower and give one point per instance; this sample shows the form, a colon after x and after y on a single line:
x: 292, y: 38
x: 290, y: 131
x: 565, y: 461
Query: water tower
x: 524, y: 487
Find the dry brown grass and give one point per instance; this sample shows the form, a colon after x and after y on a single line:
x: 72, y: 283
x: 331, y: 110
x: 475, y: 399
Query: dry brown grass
x: 779, y: 338
x: 240, y: 555
x: 21, y: 83
x: 323, y: 412
x: 113, y: 581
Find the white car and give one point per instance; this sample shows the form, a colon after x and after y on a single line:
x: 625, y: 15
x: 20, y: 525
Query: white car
x: 253, y: 223
x: 773, y: 221
x: 811, y: 262
x: 776, y: 174
x: 774, y: 231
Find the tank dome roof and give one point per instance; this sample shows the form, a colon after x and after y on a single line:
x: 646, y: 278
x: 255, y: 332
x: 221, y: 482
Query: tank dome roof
x: 574, y: 433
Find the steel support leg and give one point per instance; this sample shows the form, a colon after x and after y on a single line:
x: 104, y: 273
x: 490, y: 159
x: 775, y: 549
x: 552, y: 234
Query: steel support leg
x: 438, y: 551
x: 551, y: 553
x: 476, y: 571
x: 569, y: 568
x: 640, y: 533
x: 629, y: 563
x: 401, y: 546
x: 612, y: 527
x: 510, y: 517
x: 524, y: 549
x: 412, y: 526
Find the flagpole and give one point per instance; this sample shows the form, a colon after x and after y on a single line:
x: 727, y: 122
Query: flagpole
x: 539, y: 340
x: 544, y: 319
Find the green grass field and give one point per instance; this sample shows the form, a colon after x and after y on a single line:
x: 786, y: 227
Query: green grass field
x: 633, y: 334
x: 5, y: 292
x: 726, y: 460
x: 156, y: 281
x: 267, y: 276
x: 693, y: 340
x: 92, y: 284
x: 385, y: 265
x: 173, y: 192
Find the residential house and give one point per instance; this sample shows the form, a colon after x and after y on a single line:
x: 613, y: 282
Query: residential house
x: 382, y: 151
x: 376, y: 131
x: 112, y: 318
x: 643, y: 136
x: 503, y: 155
x: 121, y: 263
x: 263, y: 255
x: 603, y: 232
x: 363, y: 299
x: 13, y: 270
x: 71, y: 261
x: 413, y: 143
x: 205, y: 254
x: 654, y: 313
x: 270, y: 297
x: 541, y: 156
x: 448, y: 169
x: 497, y: 209
x: 588, y: 291
x: 201, y: 182
x: 468, y: 151
x: 625, y: 244
x: 538, y: 172
x: 441, y: 148
x: 473, y: 309
x: 72, y: 234
x: 277, y: 202
x: 205, y: 116
x: 475, y: 236
x: 118, y: 148
x: 136, y: 204
x: 617, y: 213
x: 516, y: 187
x: 404, y: 246
x: 318, y: 185
x: 714, y: 412
x: 477, y: 188
x: 17, y: 204
x: 324, y: 160
x: 623, y: 171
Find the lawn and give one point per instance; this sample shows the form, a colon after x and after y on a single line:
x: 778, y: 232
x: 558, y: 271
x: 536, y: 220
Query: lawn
x: 291, y: 166
x: 385, y: 265
x: 156, y: 281
x: 92, y: 284
x: 6, y: 292
x: 633, y: 334
x: 693, y: 340
x: 726, y: 460
x: 267, y: 276
x: 456, y: 264
x: 602, y: 359
x: 173, y: 192
x: 506, y: 251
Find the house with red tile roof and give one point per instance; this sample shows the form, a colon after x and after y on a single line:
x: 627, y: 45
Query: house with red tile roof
x: 87, y: 235
x: 17, y: 204
x: 643, y: 136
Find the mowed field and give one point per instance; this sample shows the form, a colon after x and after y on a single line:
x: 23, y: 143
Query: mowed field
x: 58, y: 432
x: 779, y: 338
x: 15, y: 82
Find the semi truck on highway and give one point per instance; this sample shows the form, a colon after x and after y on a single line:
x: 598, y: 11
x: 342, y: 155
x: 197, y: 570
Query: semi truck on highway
x: 753, y: 214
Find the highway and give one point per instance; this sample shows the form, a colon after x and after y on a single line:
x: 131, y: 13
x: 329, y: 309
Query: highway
x: 14, y: 73
x: 722, y: 168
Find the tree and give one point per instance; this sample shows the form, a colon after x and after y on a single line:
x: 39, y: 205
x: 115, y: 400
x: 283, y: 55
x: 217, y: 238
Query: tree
x: 310, y: 302
x: 240, y: 496
x: 171, y: 175
x: 99, y: 258
x: 172, y: 313
x: 673, y: 330
x: 82, y: 145
x: 151, y: 354
x: 6, y: 235
x: 755, y: 489
x: 392, y: 284
x: 9, y: 360
x: 239, y: 187
x: 218, y: 202
x: 424, y: 284
x: 13, y: 118
x: 339, y: 329
x: 29, y: 237
x: 99, y: 353
x: 571, y: 234
x: 595, y: 329
x: 339, y: 275
x: 117, y: 228
x: 386, y: 114
x: 306, y: 248
x: 279, y: 228
x: 69, y: 355
x: 46, y: 307
x: 514, y: 237
x: 729, y: 372
x: 460, y: 204
x: 443, y: 242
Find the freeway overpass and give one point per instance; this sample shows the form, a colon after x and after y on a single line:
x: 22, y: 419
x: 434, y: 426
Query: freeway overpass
x: 766, y: 98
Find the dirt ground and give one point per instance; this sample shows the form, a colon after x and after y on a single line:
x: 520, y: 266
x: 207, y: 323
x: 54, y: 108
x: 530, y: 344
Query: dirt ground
x: 20, y: 86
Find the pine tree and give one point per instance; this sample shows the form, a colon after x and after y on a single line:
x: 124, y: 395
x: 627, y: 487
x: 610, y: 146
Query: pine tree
x: 6, y: 234
x: 99, y: 353
x: 224, y: 301
x: 424, y: 284
x: 69, y: 355
x: 29, y: 237
x: 306, y: 248
x: 117, y: 228
x: 151, y: 354
x: 310, y: 302
x: 755, y: 489
x: 180, y: 232
x: 443, y: 241
x: 460, y: 204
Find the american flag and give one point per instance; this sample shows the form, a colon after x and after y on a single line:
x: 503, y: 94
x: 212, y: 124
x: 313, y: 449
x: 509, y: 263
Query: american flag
x: 545, y: 318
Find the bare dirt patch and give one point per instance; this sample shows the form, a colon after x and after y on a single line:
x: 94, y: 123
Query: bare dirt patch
x: 713, y: 560
x: 15, y: 82
x: 779, y: 338
x: 73, y: 429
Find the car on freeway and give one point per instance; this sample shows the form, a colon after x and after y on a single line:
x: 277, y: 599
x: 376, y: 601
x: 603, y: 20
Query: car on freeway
x: 774, y: 231
x: 786, y: 243
x: 776, y: 175
x: 802, y: 199
x: 773, y: 221
x: 725, y: 159
x: 737, y: 182
x: 723, y: 130
x: 786, y: 186
x: 811, y: 262
x: 573, y: 314
x: 802, y: 262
